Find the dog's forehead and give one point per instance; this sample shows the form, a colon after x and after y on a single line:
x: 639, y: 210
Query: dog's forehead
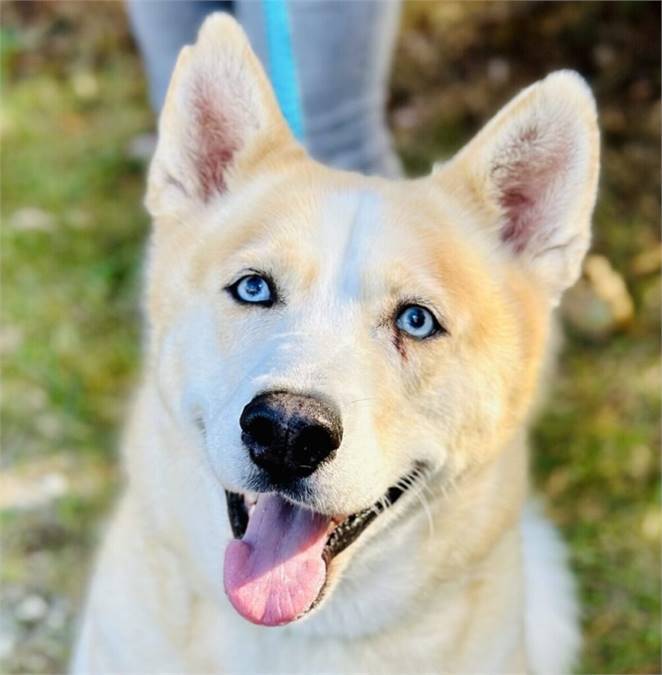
x: 380, y: 237
x: 352, y: 236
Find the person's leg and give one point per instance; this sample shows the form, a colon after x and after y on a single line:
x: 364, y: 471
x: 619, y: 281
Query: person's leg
x: 342, y: 51
x: 161, y: 30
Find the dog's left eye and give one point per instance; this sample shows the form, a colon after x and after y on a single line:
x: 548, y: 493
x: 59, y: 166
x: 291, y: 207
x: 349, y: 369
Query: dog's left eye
x: 253, y: 289
x: 418, y: 322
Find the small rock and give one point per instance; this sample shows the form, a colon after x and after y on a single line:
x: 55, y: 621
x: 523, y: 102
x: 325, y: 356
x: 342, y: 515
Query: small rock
x: 599, y: 303
x: 11, y: 338
x: 31, y: 492
x: 31, y: 609
x: 610, y: 286
x: 7, y: 638
x: 85, y: 85
x: 585, y: 312
x: 651, y: 525
x: 647, y: 262
x: 31, y: 218
x: 54, y: 485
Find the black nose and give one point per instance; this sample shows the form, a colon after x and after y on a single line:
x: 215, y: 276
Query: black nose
x: 289, y: 435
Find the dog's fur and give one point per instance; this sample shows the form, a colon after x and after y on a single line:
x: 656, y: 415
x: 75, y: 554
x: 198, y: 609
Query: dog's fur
x: 460, y: 575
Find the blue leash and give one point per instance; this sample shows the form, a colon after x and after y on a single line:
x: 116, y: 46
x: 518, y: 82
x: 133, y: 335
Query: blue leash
x: 281, y: 63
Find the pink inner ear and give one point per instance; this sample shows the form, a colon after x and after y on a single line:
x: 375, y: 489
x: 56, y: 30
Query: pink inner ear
x: 527, y: 171
x: 520, y: 224
x: 216, y: 139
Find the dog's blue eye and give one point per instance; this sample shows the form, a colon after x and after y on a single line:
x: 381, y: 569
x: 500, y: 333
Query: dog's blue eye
x: 253, y: 289
x: 418, y: 322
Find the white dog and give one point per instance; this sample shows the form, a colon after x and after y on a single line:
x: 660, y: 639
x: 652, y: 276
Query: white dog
x: 326, y: 459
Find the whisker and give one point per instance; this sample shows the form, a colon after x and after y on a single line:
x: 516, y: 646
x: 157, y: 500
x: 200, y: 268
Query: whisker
x: 426, y: 507
x: 361, y: 400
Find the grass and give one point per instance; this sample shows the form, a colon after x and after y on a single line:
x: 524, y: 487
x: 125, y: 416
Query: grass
x: 70, y: 333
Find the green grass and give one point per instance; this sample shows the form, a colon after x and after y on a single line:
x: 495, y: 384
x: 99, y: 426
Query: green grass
x: 70, y: 322
x: 70, y: 330
x: 70, y: 290
x: 595, y: 460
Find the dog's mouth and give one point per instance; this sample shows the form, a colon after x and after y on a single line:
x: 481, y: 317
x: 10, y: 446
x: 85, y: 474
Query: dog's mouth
x: 276, y: 567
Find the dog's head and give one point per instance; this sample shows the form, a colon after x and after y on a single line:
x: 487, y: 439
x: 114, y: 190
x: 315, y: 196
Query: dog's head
x: 336, y: 339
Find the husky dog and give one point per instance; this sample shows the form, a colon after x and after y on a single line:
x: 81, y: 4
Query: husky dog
x: 326, y: 458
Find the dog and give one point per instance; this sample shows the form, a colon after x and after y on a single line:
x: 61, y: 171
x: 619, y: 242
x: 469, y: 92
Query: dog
x: 326, y: 458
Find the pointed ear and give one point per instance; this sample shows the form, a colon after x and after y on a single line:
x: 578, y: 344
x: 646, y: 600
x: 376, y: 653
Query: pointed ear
x: 220, y: 114
x: 531, y: 174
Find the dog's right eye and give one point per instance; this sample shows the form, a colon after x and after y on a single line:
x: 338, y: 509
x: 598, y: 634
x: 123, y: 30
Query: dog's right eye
x: 253, y: 289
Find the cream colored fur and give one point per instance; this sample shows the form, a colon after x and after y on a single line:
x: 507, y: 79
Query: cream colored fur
x: 458, y: 576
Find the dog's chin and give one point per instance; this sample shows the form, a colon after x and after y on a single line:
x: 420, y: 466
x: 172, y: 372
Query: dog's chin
x: 279, y: 565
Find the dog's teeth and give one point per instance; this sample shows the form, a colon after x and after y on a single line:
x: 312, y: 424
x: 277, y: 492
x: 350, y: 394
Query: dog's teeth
x: 249, y: 503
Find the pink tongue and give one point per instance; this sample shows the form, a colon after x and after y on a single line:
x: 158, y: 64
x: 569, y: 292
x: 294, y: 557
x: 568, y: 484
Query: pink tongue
x: 275, y: 573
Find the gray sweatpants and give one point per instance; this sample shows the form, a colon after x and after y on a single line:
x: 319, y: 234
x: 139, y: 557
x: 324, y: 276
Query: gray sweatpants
x: 342, y: 52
